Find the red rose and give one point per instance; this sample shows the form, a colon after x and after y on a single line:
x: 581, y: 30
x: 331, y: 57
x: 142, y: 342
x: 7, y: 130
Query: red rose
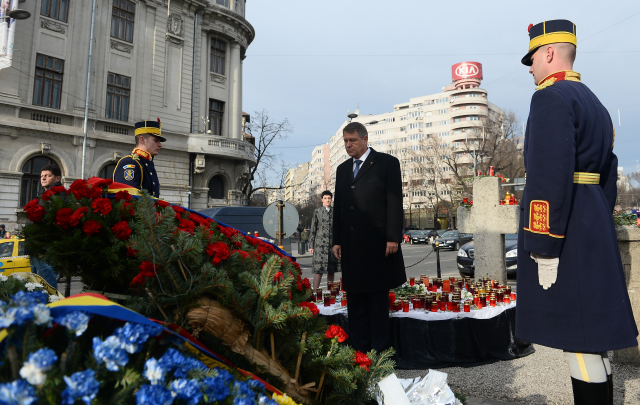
x: 336, y: 331
x: 102, y: 183
x: 219, y: 251
x: 187, y: 226
x: 101, y: 206
x: 296, y: 265
x: 228, y: 232
x: 306, y: 283
x: 362, y: 360
x: 177, y: 209
x: 236, y: 243
x: 80, y: 189
x: 34, y: 210
x: 128, y: 208
x: 262, y: 250
x: 147, y: 270
x: 67, y: 218
x: 90, y: 227
x: 241, y: 253
x: 311, y: 306
x: 198, y: 220
x: 277, y: 277
x: 252, y: 240
x: 163, y: 203
x: 121, y: 230
x: 58, y: 189
x: 122, y: 195
x: 132, y: 252
x: 299, y: 286
x: 47, y: 195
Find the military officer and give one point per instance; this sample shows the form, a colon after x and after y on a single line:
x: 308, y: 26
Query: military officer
x: 137, y: 169
x: 571, y: 293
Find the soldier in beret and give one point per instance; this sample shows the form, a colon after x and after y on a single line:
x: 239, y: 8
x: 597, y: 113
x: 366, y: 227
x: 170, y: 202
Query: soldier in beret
x: 571, y: 293
x: 137, y: 169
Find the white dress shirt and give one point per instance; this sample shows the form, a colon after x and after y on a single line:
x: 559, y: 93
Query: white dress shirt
x: 362, y: 158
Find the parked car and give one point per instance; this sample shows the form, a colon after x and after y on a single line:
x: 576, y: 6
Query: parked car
x: 453, y: 240
x: 12, y: 257
x: 466, y: 263
x: 418, y: 237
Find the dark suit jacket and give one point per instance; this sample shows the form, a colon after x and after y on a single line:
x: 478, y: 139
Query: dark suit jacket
x: 368, y: 214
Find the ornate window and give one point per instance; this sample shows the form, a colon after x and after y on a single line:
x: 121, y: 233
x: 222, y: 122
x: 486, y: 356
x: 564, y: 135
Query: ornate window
x: 118, y: 92
x: 216, y: 110
x: 107, y: 171
x: 56, y: 9
x: 122, y: 18
x: 47, y: 88
x: 31, y: 178
x: 216, y: 188
x: 217, y: 56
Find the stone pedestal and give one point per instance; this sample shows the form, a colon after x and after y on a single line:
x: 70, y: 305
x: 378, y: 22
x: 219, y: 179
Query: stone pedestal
x: 629, y: 241
x: 488, y: 221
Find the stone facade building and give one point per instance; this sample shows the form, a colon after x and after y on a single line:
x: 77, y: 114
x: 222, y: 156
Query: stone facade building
x: 182, y: 65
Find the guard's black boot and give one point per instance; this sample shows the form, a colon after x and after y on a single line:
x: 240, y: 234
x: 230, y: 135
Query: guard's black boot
x: 610, y: 384
x: 585, y: 393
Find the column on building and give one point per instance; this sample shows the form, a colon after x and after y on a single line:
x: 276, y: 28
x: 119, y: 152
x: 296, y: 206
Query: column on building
x: 235, y: 78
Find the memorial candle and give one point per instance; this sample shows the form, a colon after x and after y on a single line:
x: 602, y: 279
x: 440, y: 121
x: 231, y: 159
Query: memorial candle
x: 434, y: 306
x: 467, y: 306
x: 392, y: 297
x: 443, y: 306
x: 405, y: 306
x: 327, y: 299
x: 507, y: 300
x: 412, y: 281
x: 492, y: 300
x: 319, y: 294
x: 513, y: 296
x: 343, y: 302
x: 491, y: 170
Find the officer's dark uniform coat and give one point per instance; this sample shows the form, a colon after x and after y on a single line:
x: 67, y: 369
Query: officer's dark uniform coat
x: 587, y: 310
x: 137, y: 170
x: 367, y: 214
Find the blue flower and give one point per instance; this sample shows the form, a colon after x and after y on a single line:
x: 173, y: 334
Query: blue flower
x: 41, y: 361
x: 111, y: 352
x: 26, y: 299
x: 75, y: 321
x: 153, y: 395
x: 135, y: 335
x: 187, y: 390
x: 243, y: 390
x: 174, y: 360
x: 244, y: 401
x: 256, y: 385
x: 41, y: 314
x: 154, y: 372
x: 224, y: 375
x: 17, y: 393
x: 264, y: 400
x: 215, y: 389
x: 81, y: 385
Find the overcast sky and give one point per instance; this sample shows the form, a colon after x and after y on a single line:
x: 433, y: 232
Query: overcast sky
x: 313, y: 60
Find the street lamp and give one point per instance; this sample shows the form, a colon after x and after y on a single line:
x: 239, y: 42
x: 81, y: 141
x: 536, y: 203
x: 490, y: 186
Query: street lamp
x: 17, y: 14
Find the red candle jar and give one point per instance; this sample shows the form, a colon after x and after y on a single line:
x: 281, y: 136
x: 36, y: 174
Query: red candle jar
x: 343, y: 302
x: 327, y: 299
x: 482, y: 299
x: 425, y: 280
x: 507, y: 300
x: 443, y: 306
x: 476, y: 299
x: 492, y: 300
x: 434, y: 306
x: 332, y: 300
x: 434, y: 288
x: 439, y: 282
x: 491, y: 170
x: 412, y: 281
x: 334, y: 293
x: 405, y: 306
x: 501, y: 202
x: 495, y: 283
x: 480, y: 304
x: 456, y: 306
x: 392, y: 297
x: 479, y: 173
x: 467, y: 306
x: 319, y: 294
x: 513, y: 296
x: 465, y: 200
x: 449, y: 306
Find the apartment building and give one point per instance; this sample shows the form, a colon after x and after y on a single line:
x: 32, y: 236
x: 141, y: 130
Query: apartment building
x: 182, y: 64
x: 295, y: 192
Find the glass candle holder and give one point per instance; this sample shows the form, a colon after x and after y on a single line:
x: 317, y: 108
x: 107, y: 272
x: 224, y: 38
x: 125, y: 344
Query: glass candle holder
x: 480, y: 304
x: 442, y: 305
x: 343, y: 301
x: 392, y: 297
x: 476, y: 299
x: 492, y: 300
x: 482, y: 299
x: 405, y: 306
x: 500, y: 295
x: 449, y: 306
x: 439, y: 282
x: 319, y: 294
x: 434, y: 306
x: 513, y: 296
x: 507, y: 300
x: 467, y: 306
x: 455, y: 306
x: 332, y: 300
x: 412, y: 281
x: 434, y: 287
x: 327, y: 299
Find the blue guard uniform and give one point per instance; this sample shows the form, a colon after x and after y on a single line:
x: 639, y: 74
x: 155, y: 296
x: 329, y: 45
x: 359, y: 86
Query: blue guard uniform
x: 137, y: 169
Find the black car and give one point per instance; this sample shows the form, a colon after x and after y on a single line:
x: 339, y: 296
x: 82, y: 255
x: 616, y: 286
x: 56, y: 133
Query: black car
x: 452, y: 240
x: 418, y: 237
x: 466, y: 264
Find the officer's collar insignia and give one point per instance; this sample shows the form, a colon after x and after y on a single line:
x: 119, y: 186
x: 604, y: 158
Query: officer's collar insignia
x: 142, y: 153
x: 558, y: 76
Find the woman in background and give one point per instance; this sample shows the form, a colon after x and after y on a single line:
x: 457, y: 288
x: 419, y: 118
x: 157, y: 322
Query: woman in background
x: 321, y: 242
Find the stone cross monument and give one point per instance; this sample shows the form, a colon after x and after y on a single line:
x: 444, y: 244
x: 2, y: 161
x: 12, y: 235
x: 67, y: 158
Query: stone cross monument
x: 489, y: 221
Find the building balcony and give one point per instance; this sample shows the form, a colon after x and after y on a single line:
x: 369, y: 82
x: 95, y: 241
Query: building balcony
x: 469, y: 100
x: 466, y: 112
x: 223, y: 147
x: 467, y: 124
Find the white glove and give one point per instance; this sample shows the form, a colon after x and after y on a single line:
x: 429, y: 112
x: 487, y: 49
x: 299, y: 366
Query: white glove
x: 547, y: 269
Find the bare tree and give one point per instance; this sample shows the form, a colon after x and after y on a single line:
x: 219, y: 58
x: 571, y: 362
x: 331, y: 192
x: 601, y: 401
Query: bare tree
x: 266, y: 133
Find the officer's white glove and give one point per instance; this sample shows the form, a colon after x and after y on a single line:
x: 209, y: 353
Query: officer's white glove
x: 547, y: 269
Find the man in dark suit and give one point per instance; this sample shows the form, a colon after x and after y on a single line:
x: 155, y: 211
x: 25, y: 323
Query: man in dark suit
x: 367, y: 229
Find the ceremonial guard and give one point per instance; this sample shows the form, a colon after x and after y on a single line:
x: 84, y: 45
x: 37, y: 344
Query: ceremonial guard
x: 571, y: 290
x: 137, y: 169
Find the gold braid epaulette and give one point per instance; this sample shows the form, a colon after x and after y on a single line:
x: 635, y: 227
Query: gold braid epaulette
x: 134, y: 157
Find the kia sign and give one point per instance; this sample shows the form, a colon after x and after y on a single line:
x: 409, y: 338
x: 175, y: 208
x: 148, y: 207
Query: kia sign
x: 466, y: 70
